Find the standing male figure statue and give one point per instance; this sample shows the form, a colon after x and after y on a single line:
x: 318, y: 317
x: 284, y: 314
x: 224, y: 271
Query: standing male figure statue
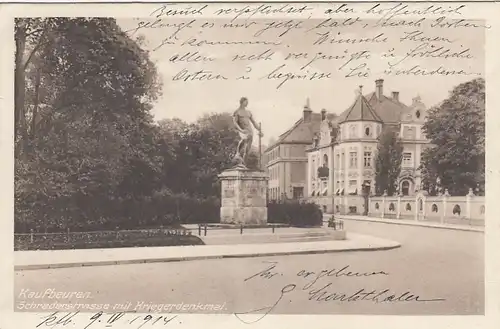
x: 243, y: 121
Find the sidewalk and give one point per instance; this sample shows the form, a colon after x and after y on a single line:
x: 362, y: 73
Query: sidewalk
x: 410, y: 222
x: 45, y: 259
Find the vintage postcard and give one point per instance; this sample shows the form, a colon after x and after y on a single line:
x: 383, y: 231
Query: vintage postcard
x: 262, y: 164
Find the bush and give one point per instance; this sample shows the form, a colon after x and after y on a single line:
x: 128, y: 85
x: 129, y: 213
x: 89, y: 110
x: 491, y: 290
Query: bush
x: 295, y: 213
x: 162, y: 209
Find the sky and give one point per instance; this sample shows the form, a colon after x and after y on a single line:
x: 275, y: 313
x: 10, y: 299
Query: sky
x: 279, y: 108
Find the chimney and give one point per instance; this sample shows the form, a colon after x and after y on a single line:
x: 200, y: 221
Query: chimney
x: 323, y: 114
x: 307, y: 112
x: 395, y: 96
x: 379, y: 88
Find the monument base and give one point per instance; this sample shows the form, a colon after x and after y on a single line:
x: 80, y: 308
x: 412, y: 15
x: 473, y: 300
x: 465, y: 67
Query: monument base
x: 243, y: 197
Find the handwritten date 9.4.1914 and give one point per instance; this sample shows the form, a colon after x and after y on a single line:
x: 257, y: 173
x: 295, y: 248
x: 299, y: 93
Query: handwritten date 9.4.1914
x: 104, y: 320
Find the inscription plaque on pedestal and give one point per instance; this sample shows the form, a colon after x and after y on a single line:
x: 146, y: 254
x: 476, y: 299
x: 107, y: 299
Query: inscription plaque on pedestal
x: 243, y: 197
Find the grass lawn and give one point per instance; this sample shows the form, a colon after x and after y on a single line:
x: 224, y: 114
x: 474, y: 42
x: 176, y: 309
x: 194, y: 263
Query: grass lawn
x: 105, y: 239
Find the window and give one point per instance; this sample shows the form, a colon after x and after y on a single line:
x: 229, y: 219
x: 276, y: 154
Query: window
x: 368, y: 159
x: 342, y: 163
x: 407, y: 160
x: 353, y: 159
x: 417, y: 114
x: 337, y: 165
x: 376, y: 206
x: 353, y: 187
x: 325, y: 160
x: 352, y: 131
x: 409, y: 132
x: 298, y: 192
x: 367, y: 131
x: 313, y: 169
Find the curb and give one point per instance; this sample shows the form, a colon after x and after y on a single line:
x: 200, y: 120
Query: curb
x: 394, y: 245
x: 442, y: 227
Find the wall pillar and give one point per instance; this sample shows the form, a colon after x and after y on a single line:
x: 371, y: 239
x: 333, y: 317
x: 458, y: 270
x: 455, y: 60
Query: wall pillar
x: 417, y: 205
x: 398, y: 215
x: 383, y: 203
x: 468, y: 206
x: 369, y: 204
x: 445, y: 204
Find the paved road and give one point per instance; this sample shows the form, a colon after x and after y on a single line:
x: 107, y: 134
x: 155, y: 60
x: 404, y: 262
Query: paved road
x: 432, y: 263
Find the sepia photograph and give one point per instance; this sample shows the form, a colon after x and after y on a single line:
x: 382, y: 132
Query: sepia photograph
x: 249, y: 160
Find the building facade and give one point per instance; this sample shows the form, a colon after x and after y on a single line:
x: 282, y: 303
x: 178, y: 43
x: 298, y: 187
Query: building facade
x: 286, y: 159
x: 341, y: 159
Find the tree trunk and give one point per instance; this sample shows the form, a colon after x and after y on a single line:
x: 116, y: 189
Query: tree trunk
x: 19, y: 81
x: 34, y: 119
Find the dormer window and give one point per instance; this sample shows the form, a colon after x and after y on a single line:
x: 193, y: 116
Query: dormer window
x: 417, y: 114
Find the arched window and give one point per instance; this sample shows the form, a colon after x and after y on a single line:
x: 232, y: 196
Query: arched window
x: 325, y: 160
x: 408, y: 207
x: 434, y: 208
x: 420, y: 205
x: 456, y: 210
x: 391, y: 207
x: 376, y: 206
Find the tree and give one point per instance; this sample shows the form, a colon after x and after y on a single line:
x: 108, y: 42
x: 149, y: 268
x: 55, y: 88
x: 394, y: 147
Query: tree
x: 456, y: 130
x: 388, y: 162
x: 86, y: 97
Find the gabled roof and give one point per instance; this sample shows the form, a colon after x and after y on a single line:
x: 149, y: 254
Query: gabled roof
x: 302, y: 132
x: 387, y: 110
x: 360, y: 110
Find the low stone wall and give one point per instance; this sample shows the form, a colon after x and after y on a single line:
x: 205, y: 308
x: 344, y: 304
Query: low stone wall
x: 434, y: 208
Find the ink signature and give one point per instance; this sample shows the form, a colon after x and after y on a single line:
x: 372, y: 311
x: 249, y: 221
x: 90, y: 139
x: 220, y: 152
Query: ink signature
x: 324, y: 293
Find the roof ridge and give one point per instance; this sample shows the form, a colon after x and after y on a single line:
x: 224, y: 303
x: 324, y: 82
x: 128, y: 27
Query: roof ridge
x: 370, y: 108
x: 363, y: 102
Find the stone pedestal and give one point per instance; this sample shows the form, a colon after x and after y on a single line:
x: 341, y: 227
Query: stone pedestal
x: 243, y: 197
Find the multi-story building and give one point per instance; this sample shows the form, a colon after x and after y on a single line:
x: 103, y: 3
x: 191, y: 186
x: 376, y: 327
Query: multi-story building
x: 341, y: 160
x: 286, y: 159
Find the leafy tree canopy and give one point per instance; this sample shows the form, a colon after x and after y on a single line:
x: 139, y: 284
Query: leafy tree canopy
x: 456, y: 130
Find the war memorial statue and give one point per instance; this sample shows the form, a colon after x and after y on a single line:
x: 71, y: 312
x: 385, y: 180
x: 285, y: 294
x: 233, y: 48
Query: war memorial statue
x: 244, y: 191
x: 244, y: 124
